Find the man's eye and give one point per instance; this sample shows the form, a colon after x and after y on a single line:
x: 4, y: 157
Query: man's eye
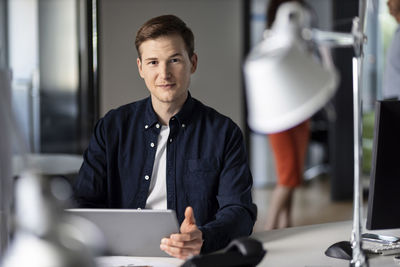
x: 153, y: 62
x: 174, y: 60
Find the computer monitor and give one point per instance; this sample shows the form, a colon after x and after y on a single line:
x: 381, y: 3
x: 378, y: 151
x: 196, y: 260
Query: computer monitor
x: 384, y: 188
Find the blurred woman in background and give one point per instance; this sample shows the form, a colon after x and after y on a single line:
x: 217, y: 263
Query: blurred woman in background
x: 289, y: 148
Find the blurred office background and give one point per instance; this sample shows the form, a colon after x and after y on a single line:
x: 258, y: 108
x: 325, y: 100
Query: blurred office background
x: 73, y: 60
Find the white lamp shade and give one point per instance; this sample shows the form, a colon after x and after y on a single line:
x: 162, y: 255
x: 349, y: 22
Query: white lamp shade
x: 285, y: 85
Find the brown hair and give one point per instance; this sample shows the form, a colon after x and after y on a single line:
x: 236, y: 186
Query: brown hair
x: 163, y: 26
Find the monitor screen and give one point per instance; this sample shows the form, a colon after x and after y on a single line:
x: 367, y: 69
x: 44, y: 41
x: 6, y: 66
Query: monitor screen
x: 384, y: 188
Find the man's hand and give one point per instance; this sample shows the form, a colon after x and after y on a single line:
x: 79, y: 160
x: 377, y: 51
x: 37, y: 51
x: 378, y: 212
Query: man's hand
x: 188, y: 242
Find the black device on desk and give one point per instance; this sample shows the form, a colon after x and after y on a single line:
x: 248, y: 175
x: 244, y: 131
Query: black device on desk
x: 243, y: 252
x: 384, y: 189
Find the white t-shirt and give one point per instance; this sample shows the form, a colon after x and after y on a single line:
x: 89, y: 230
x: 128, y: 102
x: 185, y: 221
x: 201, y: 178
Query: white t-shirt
x: 157, y: 198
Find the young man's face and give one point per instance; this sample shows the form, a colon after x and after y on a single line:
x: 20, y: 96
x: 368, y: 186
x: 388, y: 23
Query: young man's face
x: 166, y: 68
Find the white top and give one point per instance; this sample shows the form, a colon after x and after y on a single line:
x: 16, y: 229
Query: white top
x: 157, y: 198
x: 391, y: 81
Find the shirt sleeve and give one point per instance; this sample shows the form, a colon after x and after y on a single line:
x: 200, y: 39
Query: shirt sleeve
x: 90, y: 186
x: 237, y: 213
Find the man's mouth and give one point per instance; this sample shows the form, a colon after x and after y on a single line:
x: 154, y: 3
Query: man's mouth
x: 169, y: 85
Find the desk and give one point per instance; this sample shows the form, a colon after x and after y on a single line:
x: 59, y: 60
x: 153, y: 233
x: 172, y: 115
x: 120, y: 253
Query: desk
x: 305, y: 245
x: 291, y: 247
x: 138, y: 261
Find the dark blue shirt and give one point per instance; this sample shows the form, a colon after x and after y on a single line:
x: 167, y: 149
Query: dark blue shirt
x: 207, y: 168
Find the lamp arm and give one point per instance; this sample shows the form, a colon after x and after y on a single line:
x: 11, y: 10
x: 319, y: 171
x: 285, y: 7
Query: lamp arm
x: 337, y: 39
x: 328, y: 38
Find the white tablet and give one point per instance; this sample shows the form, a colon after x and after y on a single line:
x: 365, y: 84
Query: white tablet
x: 131, y: 232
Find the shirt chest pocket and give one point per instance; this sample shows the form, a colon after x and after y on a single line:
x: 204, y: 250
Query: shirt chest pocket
x: 201, y: 177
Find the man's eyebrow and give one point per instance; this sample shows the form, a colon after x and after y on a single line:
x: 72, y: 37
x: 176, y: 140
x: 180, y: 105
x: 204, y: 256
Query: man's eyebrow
x: 176, y: 55
x: 154, y: 58
x: 150, y: 59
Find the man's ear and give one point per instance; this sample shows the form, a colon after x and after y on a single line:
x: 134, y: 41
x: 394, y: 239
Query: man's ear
x: 193, y: 60
x: 139, y: 65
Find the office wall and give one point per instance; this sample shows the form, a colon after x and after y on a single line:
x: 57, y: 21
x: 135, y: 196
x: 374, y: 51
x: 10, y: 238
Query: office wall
x: 5, y: 158
x: 217, y: 26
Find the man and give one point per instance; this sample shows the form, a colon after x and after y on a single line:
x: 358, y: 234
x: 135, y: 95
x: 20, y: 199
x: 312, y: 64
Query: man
x: 169, y: 151
x: 391, y: 79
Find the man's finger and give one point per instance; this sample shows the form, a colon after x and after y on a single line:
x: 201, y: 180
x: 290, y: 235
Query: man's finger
x: 186, y: 236
x: 181, y: 253
x: 192, y: 244
x: 172, y: 243
x: 189, y: 215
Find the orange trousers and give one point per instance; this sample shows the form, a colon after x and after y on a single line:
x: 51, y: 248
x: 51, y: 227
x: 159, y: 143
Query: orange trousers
x: 289, y: 148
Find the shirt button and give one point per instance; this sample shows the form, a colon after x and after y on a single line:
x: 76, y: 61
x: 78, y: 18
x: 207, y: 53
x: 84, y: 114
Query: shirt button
x: 146, y: 177
x: 152, y: 144
x: 157, y: 125
x: 139, y: 208
x: 170, y: 140
x: 183, y: 125
x: 146, y: 126
x: 173, y: 119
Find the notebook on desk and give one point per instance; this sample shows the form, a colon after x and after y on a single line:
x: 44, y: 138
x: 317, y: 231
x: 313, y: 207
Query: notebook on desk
x: 132, y: 232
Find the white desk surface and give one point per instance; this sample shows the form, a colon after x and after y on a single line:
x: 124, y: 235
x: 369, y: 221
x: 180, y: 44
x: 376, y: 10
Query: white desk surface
x: 305, y: 246
x: 291, y: 247
x: 117, y: 261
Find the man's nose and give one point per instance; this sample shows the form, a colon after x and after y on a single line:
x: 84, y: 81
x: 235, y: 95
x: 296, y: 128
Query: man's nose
x: 165, y: 71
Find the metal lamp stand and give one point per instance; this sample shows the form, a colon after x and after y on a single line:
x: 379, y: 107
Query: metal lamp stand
x: 355, y: 39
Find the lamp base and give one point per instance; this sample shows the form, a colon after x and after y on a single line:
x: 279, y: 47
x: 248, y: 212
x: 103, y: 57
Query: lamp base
x: 340, y: 250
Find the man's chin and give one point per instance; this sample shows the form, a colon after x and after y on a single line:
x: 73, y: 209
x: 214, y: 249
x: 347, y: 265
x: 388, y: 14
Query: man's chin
x: 171, y: 97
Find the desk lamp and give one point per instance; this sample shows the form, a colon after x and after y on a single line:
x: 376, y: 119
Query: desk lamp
x: 43, y: 235
x: 285, y: 85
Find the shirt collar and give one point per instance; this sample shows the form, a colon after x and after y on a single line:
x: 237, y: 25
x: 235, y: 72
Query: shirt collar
x: 150, y: 116
x: 183, y: 116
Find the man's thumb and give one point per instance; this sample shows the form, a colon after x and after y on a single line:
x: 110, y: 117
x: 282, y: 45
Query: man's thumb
x: 189, y: 215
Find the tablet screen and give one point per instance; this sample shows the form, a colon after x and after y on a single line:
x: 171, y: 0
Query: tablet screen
x: 131, y: 232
